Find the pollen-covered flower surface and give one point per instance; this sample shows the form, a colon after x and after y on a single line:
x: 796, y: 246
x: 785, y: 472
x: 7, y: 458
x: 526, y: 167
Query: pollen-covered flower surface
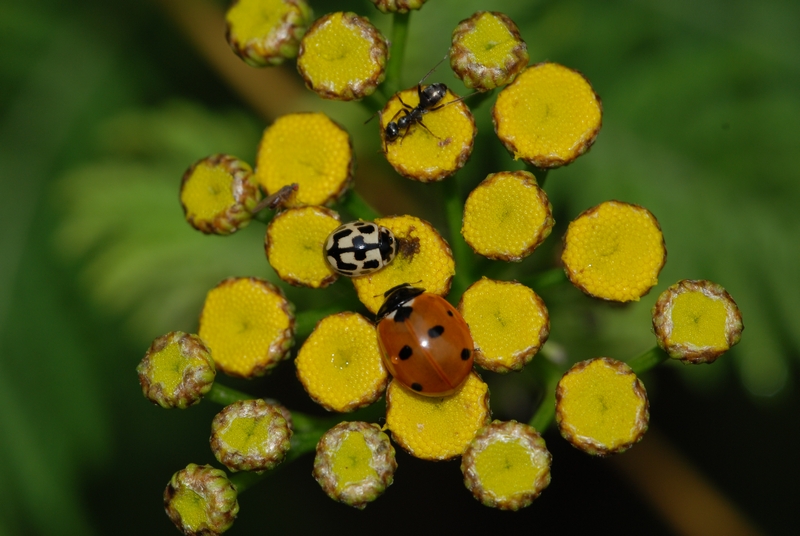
x: 437, y: 428
x: 307, y: 149
x: 508, y: 321
x: 696, y: 321
x: 507, y: 216
x: 601, y: 406
x: 614, y: 251
x: 266, y: 32
x: 248, y: 324
x: 342, y: 57
x: 340, y: 364
x: 218, y: 194
x: 507, y: 465
x: 487, y: 51
x: 177, y: 370
x: 355, y: 463
x: 294, y: 243
x: 548, y: 116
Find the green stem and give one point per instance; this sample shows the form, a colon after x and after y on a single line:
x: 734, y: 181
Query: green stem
x: 539, y: 173
x: 454, y: 210
x: 546, y: 412
x: 355, y: 205
x: 397, y: 52
x: 225, y: 396
x: 649, y: 359
x: 549, y: 278
x: 373, y: 103
x: 476, y: 100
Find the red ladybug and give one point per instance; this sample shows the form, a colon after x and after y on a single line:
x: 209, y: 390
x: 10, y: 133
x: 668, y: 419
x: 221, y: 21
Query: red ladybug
x: 425, y: 342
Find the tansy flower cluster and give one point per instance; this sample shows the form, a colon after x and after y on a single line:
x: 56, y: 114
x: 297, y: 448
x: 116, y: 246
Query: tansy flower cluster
x: 405, y: 341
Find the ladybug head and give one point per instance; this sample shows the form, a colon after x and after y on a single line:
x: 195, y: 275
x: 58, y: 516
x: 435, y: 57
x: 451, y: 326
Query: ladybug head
x: 396, y: 297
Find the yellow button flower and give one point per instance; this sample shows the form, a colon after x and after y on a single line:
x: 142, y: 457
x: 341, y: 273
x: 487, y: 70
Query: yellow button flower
x: 507, y: 465
x: 436, y: 146
x: 250, y: 435
x: 342, y: 57
x: 487, y: 51
x: 437, y: 428
x: 508, y: 322
x: 355, y: 463
x: 177, y: 370
x: 218, y: 194
x: 423, y: 259
x: 614, y: 251
x: 696, y: 321
x: 201, y: 500
x: 507, y: 216
x: 340, y: 364
x: 248, y: 324
x: 310, y: 150
x: 266, y: 32
x: 548, y: 116
x: 601, y: 406
x: 295, y: 242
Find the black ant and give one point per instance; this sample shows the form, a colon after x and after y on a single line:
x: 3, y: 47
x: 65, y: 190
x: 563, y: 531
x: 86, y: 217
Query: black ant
x: 429, y: 98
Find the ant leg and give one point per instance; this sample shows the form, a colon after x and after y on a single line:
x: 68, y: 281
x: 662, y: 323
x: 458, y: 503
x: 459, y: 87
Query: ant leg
x: 429, y: 130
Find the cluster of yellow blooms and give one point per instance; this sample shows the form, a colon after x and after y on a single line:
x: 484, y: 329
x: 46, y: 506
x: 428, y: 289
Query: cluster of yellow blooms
x: 545, y: 115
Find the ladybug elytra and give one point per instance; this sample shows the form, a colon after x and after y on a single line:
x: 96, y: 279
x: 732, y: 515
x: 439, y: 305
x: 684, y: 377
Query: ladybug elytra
x: 360, y: 248
x: 425, y: 342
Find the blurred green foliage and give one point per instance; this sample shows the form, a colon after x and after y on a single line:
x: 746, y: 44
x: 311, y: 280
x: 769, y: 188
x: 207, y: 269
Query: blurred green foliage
x: 103, y: 106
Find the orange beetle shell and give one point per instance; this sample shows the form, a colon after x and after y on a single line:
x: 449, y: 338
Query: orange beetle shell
x: 427, y: 346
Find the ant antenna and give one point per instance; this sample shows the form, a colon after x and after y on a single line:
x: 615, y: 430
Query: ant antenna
x: 434, y: 67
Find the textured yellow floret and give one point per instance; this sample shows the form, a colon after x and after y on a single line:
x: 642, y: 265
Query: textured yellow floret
x: 201, y: 500
x: 250, y: 435
x: 507, y: 216
x: 432, y: 153
x: 295, y: 242
x: 508, y: 322
x: 437, y: 428
x: 699, y: 320
x: 192, y: 508
x: 248, y: 324
x: 487, y: 50
x: 308, y: 149
x: 340, y: 364
x: 507, y: 465
x: 342, y: 56
x: 208, y: 191
x: 614, y: 251
x: 548, y: 116
x: 601, y: 406
x: 266, y: 32
x: 696, y: 321
x: 423, y: 259
x: 351, y: 461
x: 355, y: 463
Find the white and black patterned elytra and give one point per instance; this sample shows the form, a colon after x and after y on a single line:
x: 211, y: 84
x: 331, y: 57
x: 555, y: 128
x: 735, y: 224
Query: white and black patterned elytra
x: 359, y: 248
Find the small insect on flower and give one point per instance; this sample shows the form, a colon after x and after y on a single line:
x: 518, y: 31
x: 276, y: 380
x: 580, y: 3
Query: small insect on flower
x: 278, y: 199
x: 426, y: 344
x: 429, y: 98
x: 360, y: 248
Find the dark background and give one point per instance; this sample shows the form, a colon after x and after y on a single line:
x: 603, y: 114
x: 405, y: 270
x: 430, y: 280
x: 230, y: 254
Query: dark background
x: 104, y: 104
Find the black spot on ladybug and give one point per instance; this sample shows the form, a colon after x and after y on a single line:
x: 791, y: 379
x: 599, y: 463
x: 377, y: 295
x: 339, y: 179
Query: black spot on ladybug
x: 341, y: 234
x: 401, y: 314
x: 417, y: 387
x: 405, y: 352
x: 449, y: 313
x: 369, y: 265
x: 435, y: 331
x: 465, y: 353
